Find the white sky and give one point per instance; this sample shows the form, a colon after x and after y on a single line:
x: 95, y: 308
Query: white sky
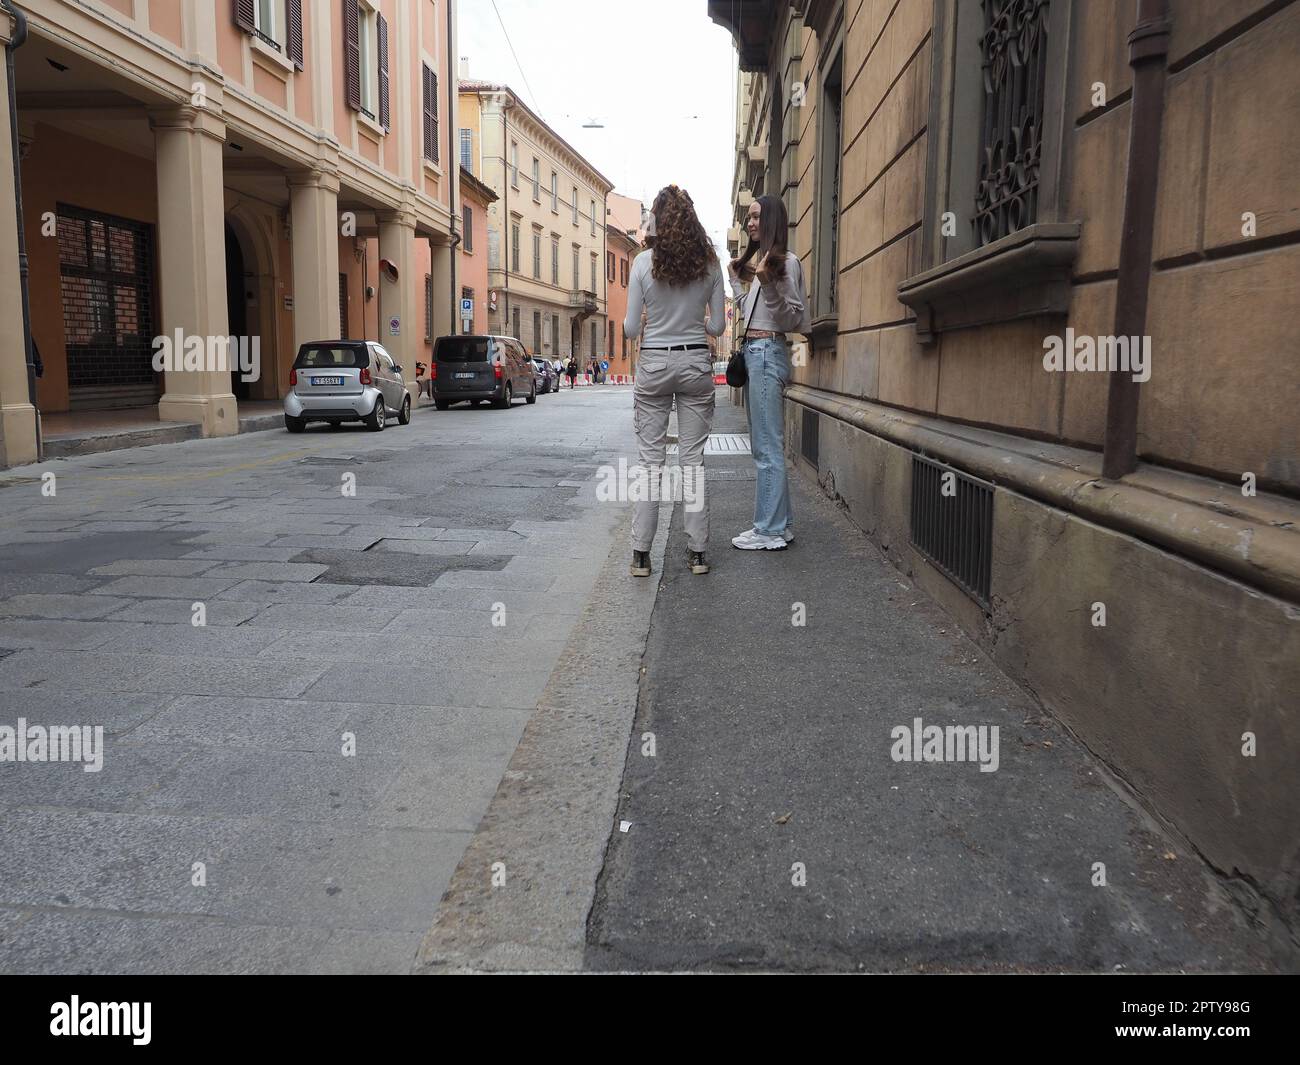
x: 643, y: 68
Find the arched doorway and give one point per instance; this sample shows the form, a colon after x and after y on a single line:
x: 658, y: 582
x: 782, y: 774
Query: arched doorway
x: 237, y: 280
x: 251, y: 299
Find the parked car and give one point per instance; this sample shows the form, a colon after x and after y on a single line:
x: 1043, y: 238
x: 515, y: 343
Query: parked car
x: 481, y: 368
x: 548, y: 381
x: 339, y: 381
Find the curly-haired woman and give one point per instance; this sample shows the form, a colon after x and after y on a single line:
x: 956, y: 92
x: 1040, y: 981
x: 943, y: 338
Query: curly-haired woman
x: 776, y: 303
x: 678, y: 283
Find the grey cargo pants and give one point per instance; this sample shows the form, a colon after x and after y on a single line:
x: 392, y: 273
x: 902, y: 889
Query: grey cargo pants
x: 661, y: 377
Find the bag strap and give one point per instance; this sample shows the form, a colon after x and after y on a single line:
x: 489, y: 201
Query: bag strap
x: 750, y: 316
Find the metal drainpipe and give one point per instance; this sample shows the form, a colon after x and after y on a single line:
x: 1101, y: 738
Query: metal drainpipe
x: 17, y: 41
x: 453, y: 167
x: 1148, y: 48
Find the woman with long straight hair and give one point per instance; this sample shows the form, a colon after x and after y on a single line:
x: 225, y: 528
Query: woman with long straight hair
x: 776, y: 303
x: 678, y: 284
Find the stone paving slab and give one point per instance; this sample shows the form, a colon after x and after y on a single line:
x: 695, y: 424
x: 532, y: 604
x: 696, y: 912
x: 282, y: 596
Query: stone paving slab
x: 192, y: 588
x: 35, y: 605
x: 273, y: 592
x: 280, y: 572
x: 153, y: 567
x: 293, y: 617
x: 219, y: 612
x: 67, y: 635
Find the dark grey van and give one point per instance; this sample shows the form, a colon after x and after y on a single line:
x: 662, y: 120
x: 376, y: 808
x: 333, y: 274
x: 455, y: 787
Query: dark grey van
x: 478, y: 368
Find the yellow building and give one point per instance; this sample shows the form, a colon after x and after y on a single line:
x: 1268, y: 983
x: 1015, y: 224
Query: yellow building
x: 260, y: 168
x: 546, y: 230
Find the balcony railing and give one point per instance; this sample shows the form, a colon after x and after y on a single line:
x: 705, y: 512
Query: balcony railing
x: 584, y: 302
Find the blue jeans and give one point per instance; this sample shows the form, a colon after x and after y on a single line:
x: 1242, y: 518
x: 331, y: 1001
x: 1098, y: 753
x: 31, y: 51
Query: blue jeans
x: 768, y: 363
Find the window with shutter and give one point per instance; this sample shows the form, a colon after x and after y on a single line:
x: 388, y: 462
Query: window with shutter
x: 343, y: 306
x: 428, y: 306
x: 429, y: 102
x: 384, y: 117
x: 467, y: 227
x: 351, y: 54
x: 293, y: 31
x: 245, y: 15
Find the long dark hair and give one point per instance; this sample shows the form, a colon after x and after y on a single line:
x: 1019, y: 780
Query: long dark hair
x: 773, y: 232
x: 682, y: 250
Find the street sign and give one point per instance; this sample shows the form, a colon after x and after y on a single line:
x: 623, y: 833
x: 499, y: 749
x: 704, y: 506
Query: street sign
x: 467, y: 308
x: 395, y: 326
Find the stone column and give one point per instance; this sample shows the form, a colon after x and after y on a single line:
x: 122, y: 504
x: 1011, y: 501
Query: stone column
x: 17, y: 415
x: 314, y: 209
x: 446, y: 314
x: 192, y: 262
x: 402, y: 299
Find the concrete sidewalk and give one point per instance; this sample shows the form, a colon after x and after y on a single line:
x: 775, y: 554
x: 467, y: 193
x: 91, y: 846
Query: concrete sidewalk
x: 772, y: 762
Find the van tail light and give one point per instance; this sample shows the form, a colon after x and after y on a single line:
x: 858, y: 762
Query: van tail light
x: 365, y: 375
x: 293, y: 378
x: 496, y: 370
x: 433, y: 370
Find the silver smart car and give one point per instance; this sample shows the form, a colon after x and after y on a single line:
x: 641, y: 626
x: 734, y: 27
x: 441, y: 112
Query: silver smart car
x: 340, y: 381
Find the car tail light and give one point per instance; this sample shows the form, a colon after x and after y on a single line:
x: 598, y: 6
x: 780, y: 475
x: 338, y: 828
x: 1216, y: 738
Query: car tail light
x: 433, y: 370
x: 496, y: 370
x: 365, y: 375
x: 293, y: 378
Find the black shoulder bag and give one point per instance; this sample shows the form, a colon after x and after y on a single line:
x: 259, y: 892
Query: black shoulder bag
x: 737, y: 372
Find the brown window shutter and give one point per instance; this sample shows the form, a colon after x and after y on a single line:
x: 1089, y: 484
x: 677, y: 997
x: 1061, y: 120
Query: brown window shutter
x: 351, y: 55
x: 293, y: 34
x: 384, y: 117
x: 433, y: 95
x: 244, y: 15
x: 429, y: 100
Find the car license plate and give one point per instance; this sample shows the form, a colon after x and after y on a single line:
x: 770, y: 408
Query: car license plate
x: 327, y: 380
x: 464, y: 376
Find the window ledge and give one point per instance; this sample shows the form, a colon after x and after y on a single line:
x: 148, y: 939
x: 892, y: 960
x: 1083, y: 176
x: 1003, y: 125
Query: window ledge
x: 824, y: 329
x: 430, y: 167
x: 269, y: 58
x: 371, y: 125
x: 1023, y: 275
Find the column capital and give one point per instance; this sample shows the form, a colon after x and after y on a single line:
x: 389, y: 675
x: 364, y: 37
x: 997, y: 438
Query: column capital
x: 187, y: 118
x: 402, y: 216
x: 315, y: 178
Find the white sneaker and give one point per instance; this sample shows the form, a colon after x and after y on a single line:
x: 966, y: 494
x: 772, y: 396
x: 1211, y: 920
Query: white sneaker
x: 787, y: 534
x: 750, y: 540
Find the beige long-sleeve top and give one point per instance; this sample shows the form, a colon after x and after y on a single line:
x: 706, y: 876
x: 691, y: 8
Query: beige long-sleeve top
x: 782, y: 305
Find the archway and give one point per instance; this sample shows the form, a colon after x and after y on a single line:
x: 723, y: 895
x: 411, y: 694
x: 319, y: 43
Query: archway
x: 251, y: 300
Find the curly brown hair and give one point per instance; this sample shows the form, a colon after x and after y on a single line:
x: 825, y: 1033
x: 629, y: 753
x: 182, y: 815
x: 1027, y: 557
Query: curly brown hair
x: 682, y: 250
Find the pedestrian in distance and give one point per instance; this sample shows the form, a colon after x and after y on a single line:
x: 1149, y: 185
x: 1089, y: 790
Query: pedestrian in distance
x: 677, y: 282
x: 572, y: 372
x: 768, y: 282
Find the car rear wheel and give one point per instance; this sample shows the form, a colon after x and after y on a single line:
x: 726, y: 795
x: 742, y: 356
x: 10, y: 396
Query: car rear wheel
x: 294, y: 425
x: 442, y: 404
x: 404, y: 415
x: 532, y: 396
x: 378, y: 417
x: 507, y: 396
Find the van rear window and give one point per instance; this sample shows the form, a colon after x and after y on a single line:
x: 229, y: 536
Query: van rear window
x: 464, y: 349
x: 321, y: 358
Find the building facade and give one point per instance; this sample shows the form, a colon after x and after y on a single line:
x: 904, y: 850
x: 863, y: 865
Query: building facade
x: 546, y: 230
x: 472, y: 253
x: 1052, y: 371
x: 265, y: 169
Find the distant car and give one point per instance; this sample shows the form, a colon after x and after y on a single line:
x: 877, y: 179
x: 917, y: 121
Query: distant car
x: 548, y: 381
x: 720, y: 372
x: 339, y: 381
x: 479, y: 368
